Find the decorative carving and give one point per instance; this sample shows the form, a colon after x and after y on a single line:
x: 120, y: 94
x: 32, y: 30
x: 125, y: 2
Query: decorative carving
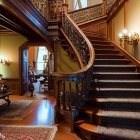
x: 109, y: 4
x: 87, y: 14
x: 50, y: 9
x: 54, y: 9
x: 42, y: 7
x: 76, y: 38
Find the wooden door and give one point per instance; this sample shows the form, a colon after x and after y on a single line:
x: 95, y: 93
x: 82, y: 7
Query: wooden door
x: 24, y: 71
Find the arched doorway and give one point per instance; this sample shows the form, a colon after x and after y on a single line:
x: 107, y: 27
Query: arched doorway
x: 25, y: 64
x: 38, y: 66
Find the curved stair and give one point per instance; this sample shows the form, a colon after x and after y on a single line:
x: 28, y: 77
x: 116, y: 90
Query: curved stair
x: 112, y: 107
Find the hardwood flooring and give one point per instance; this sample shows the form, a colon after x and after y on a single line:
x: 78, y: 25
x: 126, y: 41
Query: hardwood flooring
x: 43, y: 114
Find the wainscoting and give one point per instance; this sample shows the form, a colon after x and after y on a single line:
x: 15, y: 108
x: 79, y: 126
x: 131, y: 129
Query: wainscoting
x: 13, y: 84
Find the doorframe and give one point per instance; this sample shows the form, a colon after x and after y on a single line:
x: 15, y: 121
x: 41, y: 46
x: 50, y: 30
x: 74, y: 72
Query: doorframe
x: 28, y: 44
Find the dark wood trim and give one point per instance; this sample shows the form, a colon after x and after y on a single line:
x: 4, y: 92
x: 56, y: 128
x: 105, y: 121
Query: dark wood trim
x: 13, y: 84
x: 115, y: 9
x: 22, y: 17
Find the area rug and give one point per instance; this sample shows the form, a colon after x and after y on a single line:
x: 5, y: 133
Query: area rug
x: 18, y: 109
x: 8, y: 132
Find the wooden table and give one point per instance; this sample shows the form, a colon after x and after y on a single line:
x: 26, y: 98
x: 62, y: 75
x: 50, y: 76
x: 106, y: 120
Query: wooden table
x: 5, y: 96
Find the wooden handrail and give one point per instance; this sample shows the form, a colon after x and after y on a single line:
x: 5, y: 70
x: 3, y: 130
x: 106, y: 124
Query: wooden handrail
x: 73, y: 48
x: 73, y: 87
x: 91, y: 53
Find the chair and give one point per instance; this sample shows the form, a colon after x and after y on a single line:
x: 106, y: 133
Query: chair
x: 32, y: 80
x: 43, y: 83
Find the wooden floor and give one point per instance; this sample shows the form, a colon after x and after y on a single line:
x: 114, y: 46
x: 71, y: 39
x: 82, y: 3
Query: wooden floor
x: 43, y: 114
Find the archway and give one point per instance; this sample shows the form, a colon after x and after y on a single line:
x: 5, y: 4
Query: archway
x: 24, y: 64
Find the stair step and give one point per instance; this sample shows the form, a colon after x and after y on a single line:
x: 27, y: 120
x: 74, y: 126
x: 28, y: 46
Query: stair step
x: 118, y: 100
x: 119, y: 114
x: 106, y: 51
x: 127, y: 134
x: 105, y: 46
x: 104, y: 42
x: 108, y: 133
x: 110, y: 61
x: 116, y: 75
x: 90, y: 37
x: 117, y: 83
x: 118, y: 89
x: 119, y: 119
x: 119, y: 104
x: 114, y: 68
x: 114, y: 93
x: 109, y: 56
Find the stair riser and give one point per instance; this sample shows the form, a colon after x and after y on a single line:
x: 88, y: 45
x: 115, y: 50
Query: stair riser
x: 114, y: 69
x: 105, y: 52
x: 119, y: 106
x: 100, y: 42
x: 110, y: 62
x: 103, y: 47
x: 117, y: 76
x: 120, y: 122
x: 116, y: 85
x: 109, y: 57
x: 115, y: 94
x: 95, y: 38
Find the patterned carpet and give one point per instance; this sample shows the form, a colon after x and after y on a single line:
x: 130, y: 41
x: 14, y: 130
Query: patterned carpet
x: 18, y: 109
x: 27, y: 132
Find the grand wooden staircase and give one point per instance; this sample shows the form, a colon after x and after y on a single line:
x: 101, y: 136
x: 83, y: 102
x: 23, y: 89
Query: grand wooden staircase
x: 112, y: 107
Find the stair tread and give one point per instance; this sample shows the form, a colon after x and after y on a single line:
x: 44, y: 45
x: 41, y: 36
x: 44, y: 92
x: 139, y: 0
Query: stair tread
x: 102, y: 44
x: 114, y: 73
x: 118, y: 89
x: 122, y: 114
x: 110, y: 131
x: 100, y: 40
x: 120, y: 81
x: 114, y: 66
x: 120, y: 100
x: 111, y: 59
x: 111, y: 54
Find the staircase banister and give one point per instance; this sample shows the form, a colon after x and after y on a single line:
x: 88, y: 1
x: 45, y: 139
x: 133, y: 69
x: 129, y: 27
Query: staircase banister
x: 84, y: 8
x: 73, y: 48
x: 88, y: 13
x: 91, y: 54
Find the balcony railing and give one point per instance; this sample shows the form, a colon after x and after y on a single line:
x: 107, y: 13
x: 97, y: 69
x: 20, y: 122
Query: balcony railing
x: 87, y: 14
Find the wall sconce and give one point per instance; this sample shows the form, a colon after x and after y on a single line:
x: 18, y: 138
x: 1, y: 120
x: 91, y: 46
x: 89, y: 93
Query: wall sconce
x: 5, y: 62
x: 129, y: 38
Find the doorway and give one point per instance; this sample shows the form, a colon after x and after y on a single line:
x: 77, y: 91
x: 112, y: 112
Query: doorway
x: 38, y: 66
x: 42, y: 67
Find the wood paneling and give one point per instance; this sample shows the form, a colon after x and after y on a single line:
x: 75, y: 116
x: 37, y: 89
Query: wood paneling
x: 13, y: 84
x: 98, y: 26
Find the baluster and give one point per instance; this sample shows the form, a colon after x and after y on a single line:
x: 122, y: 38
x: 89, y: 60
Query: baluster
x: 64, y: 95
x: 70, y: 97
x: 77, y: 96
x: 58, y: 104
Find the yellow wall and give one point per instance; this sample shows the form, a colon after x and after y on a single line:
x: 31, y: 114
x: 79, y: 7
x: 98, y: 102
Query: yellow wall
x: 128, y: 17
x: 64, y: 62
x: 9, y: 45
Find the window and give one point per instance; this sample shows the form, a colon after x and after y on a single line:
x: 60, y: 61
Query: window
x: 78, y: 4
x: 42, y: 59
